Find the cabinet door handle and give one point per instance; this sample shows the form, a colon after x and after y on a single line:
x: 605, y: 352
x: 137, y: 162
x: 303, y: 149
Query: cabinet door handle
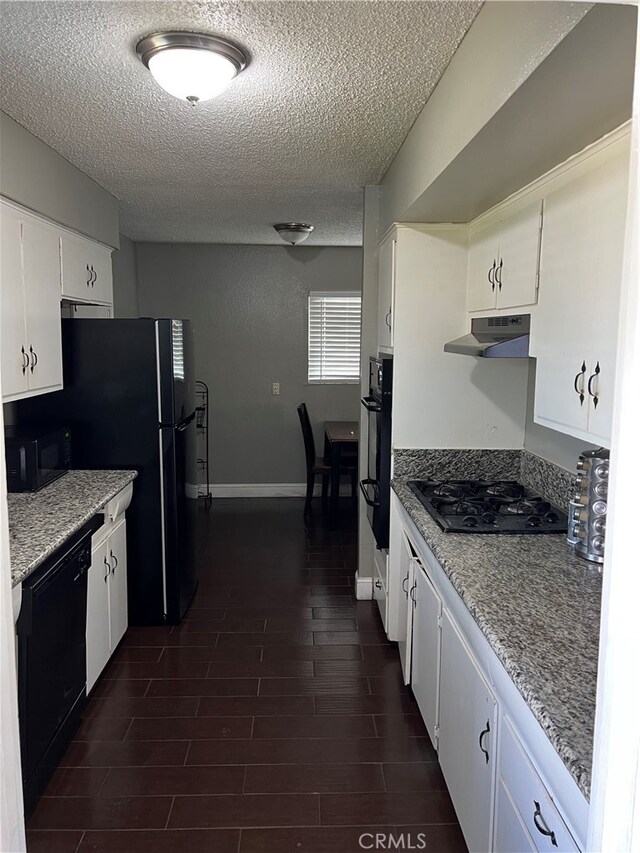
x: 491, y: 276
x: 88, y: 276
x: 25, y: 360
x: 580, y: 391
x: 115, y: 562
x: 590, y: 383
x: 95, y: 274
x: 387, y: 319
x: 378, y: 585
x: 483, y: 733
x: 34, y: 358
x: 498, y: 278
x: 108, y: 569
x: 411, y: 593
x: 541, y: 824
x: 404, y: 588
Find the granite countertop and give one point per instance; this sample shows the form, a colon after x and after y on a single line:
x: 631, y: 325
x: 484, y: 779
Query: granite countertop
x: 538, y: 605
x: 39, y: 522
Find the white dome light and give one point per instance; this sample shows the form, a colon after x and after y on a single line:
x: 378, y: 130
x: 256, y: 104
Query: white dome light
x: 190, y: 66
x: 293, y: 232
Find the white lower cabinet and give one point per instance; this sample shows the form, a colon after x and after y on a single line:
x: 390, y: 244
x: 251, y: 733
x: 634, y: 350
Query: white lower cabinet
x: 468, y: 716
x: 380, y: 583
x: 425, y: 650
x: 405, y: 628
x: 107, y: 617
x: 538, y: 817
x: 510, y: 789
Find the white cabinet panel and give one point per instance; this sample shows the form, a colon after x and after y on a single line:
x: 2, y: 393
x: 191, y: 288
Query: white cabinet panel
x: 517, y: 269
x: 86, y: 271
x: 510, y: 835
x: 107, y: 614
x: 483, y: 254
x: 468, y: 728
x: 30, y: 315
x: 12, y: 311
x: 574, y: 331
x: 386, y: 286
x: 405, y: 638
x: 41, y: 258
x: 118, y: 582
x: 425, y: 654
x: 98, y: 643
x: 503, y: 261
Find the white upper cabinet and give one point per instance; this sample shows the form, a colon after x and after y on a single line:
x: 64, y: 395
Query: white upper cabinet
x: 575, y: 329
x: 31, y: 347
x: 386, y: 289
x: 86, y: 271
x: 503, y: 261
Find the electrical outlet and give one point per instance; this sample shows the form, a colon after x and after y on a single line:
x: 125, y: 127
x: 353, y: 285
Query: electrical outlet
x: 275, y: 388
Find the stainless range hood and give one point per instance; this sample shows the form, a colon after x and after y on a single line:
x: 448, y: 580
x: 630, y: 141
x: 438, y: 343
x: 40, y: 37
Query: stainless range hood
x: 495, y: 337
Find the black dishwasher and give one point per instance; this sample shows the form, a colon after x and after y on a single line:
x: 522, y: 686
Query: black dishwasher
x: 52, y: 659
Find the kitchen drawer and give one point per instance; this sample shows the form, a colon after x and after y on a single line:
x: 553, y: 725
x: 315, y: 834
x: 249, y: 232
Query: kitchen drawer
x: 529, y: 796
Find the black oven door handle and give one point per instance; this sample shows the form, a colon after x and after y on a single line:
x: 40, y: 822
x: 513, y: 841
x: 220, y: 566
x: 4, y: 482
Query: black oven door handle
x: 375, y: 500
x: 371, y: 404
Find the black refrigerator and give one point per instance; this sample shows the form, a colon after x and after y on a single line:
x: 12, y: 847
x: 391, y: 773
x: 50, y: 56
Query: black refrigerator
x: 129, y: 401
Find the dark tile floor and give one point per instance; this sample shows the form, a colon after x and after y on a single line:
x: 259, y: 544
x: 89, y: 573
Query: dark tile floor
x: 273, y: 719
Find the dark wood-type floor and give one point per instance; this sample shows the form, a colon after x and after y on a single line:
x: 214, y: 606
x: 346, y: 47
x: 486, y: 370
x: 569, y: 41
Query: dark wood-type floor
x: 273, y: 719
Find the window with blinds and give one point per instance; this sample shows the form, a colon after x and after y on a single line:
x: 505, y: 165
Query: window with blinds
x: 334, y: 336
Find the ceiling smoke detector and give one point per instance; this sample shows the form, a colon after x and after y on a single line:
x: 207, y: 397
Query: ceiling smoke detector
x: 193, y: 67
x: 293, y: 232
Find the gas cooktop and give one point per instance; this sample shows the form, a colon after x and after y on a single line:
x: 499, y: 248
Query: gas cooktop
x: 488, y: 506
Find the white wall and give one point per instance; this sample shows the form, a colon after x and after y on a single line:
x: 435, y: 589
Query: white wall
x: 248, y: 305
x: 36, y: 176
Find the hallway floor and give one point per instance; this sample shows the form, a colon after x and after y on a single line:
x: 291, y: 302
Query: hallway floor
x: 273, y: 719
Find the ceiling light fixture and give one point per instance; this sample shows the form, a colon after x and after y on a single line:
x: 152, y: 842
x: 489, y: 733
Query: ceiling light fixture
x: 293, y: 232
x: 191, y: 66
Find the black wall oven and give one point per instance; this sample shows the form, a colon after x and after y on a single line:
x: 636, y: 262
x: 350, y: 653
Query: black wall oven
x: 376, y: 488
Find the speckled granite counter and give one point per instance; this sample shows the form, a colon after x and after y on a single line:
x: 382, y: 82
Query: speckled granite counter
x: 539, y: 607
x: 40, y: 522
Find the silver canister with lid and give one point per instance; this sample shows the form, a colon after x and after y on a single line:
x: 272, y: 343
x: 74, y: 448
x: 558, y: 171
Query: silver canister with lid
x: 588, y: 509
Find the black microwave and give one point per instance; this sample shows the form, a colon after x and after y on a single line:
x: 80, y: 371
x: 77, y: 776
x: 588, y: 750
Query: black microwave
x: 35, y: 456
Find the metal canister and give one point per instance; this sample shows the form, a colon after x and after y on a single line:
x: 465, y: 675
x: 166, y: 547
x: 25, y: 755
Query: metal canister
x: 588, y: 509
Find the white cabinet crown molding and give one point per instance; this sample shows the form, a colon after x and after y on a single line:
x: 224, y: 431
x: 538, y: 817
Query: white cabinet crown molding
x: 64, y: 229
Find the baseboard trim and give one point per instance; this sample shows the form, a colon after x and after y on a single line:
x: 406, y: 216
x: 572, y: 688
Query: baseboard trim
x: 266, y: 490
x: 364, y: 588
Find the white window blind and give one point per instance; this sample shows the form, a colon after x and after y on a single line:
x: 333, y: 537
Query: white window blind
x: 334, y: 336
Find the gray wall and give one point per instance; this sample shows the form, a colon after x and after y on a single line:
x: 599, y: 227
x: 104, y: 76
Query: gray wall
x: 248, y: 305
x: 125, y: 279
x: 38, y: 177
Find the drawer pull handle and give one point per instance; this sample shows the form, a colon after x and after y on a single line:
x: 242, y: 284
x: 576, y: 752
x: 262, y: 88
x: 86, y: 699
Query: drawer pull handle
x: 483, y: 733
x: 541, y: 824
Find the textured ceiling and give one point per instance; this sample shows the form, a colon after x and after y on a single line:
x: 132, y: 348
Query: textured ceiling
x: 327, y: 99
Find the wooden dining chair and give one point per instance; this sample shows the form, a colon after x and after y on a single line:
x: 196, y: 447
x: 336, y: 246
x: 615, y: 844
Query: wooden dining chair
x: 315, y: 464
